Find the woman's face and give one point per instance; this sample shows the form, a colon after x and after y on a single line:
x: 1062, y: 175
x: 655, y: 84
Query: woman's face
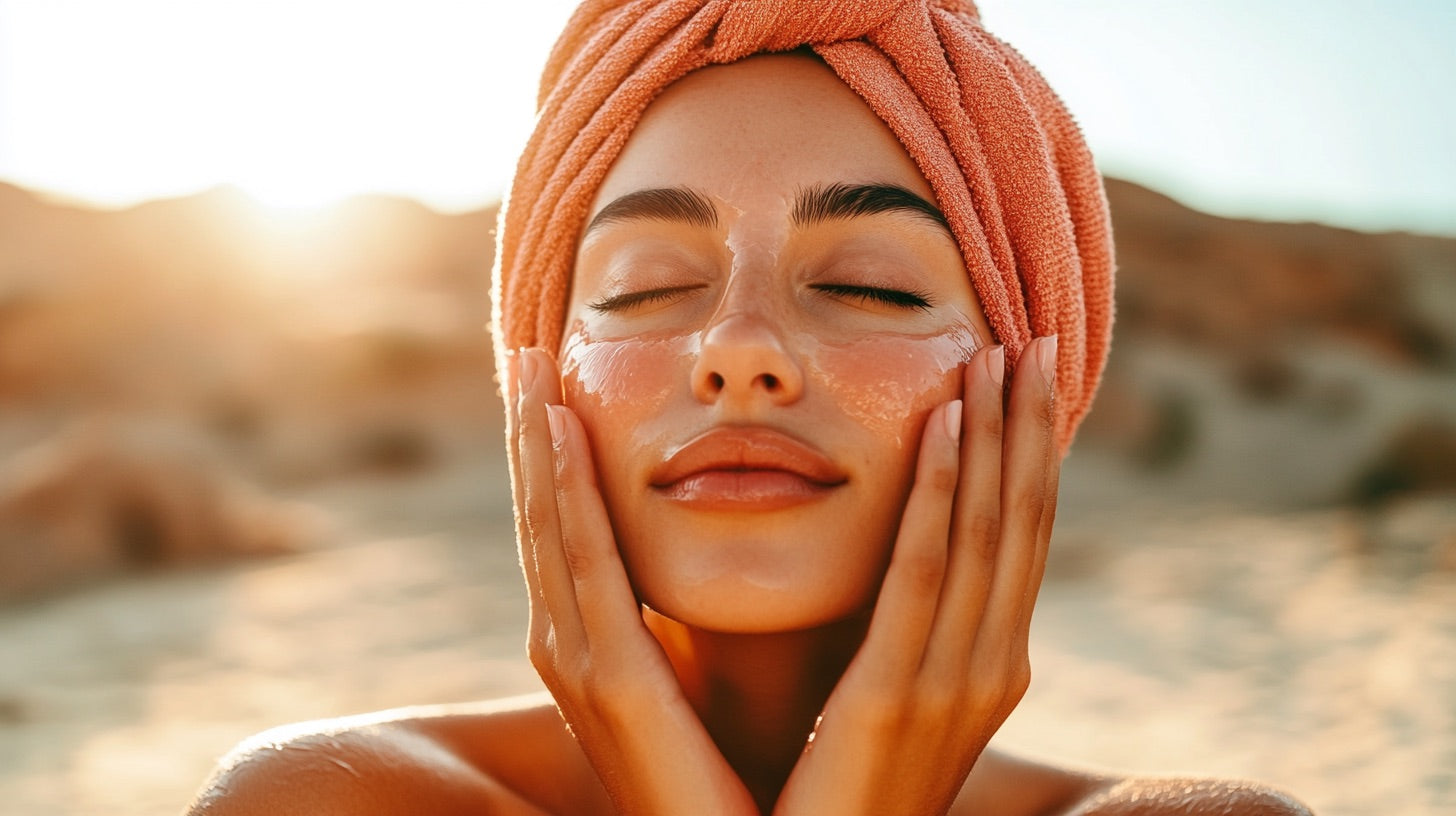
x: 765, y: 307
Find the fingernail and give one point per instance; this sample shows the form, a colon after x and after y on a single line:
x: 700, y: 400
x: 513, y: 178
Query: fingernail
x: 996, y: 364
x: 952, y: 418
x: 528, y: 370
x: 557, y: 423
x: 1046, y: 359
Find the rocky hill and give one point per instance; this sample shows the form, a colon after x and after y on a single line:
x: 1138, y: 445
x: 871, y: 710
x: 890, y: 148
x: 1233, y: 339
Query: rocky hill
x: 1279, y: 363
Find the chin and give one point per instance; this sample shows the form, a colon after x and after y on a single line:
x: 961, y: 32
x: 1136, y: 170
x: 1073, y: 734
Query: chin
x: 737, y: 595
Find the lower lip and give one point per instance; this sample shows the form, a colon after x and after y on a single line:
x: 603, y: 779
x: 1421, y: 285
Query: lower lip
x: 744, y: 490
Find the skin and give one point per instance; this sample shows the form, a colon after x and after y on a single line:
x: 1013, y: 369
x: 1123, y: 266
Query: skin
x: 846, y: 646
x: 746, y: 301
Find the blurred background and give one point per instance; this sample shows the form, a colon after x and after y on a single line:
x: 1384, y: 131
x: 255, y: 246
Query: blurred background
x: 249, y: 438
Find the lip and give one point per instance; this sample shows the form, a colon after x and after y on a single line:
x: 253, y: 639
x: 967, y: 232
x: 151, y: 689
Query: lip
x: 746, y: 468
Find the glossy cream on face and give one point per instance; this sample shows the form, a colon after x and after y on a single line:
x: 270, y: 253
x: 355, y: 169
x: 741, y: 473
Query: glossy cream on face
x: 756, y: 288
x: 887, y: 382
x: 754, y: 238
x: 884, y: 381
x: 614, y: 373
x: 628, y: 379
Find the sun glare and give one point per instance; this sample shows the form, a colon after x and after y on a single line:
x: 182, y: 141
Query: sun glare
x: 304, y: 197
x: 299, y: 104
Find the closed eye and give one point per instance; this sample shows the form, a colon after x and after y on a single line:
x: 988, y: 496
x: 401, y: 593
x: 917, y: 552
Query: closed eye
x: 875, y: 294
x: 618, y: 303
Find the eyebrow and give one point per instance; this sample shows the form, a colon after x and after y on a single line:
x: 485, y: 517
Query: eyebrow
x: 813, y: 205
x: 835, y: 202
x: 658, y: 204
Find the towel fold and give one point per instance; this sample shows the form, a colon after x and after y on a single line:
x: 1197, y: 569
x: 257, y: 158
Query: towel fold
x: 1007, y: 164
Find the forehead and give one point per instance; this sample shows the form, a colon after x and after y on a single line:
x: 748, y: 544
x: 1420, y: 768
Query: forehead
x: 756, y: 132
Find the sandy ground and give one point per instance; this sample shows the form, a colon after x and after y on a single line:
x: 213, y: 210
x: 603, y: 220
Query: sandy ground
x: 1170, y: 639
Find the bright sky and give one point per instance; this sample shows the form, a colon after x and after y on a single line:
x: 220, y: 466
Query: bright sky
x: 1296, y: 109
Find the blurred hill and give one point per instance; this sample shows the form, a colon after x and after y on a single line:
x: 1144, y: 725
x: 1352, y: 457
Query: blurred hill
x: 1278, y: 364
x: 209, y: 341
x: 199, y: 302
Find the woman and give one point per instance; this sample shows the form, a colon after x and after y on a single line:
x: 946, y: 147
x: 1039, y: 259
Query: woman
x: 783, y: 499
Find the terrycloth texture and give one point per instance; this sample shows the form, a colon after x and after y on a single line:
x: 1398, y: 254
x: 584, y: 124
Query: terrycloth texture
x: 1007, y: 164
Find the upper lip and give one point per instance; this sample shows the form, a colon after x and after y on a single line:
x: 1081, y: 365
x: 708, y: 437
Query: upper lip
x: 747, y: 448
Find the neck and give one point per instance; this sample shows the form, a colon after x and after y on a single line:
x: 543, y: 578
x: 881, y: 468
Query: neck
x: 759, y: 695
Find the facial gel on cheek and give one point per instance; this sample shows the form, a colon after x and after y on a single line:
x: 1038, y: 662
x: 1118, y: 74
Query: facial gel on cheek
x: 618, y: 380
x: 886, y: 382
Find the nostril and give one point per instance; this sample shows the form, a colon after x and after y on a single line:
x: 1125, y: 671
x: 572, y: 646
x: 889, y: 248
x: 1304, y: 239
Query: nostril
x: 716, y: 380
x: 770, y: 382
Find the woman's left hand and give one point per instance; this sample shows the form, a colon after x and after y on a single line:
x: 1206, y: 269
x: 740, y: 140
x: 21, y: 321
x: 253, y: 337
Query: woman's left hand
x: 945, y: 658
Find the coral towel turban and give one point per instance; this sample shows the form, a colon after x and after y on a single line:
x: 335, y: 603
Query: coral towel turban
x: 1007, y: 164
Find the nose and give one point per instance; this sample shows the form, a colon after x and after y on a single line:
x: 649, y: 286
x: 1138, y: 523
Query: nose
x: 744, y: 359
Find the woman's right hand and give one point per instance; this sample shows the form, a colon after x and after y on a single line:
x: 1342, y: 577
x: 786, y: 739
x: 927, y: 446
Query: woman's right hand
x: 610, y: 677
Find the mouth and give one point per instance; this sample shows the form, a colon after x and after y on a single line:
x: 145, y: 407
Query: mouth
x: 746, y: 468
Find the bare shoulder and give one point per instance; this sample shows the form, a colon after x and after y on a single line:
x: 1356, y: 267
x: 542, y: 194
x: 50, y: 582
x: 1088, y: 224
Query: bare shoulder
x: 502, y: 757
x: 1188, y: 797
x: 1009, y: 784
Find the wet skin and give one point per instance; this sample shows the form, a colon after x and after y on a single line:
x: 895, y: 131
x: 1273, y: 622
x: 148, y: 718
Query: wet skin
x: 765, y: 308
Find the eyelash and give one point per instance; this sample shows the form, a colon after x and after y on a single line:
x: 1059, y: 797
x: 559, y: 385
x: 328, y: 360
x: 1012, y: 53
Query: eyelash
x: 618, y: 303
x: 875, y: 294
x: 865, y: 294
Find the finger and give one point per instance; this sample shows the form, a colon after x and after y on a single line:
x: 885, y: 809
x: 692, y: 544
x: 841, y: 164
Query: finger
x: 1043, y: 546
x: 895, y: 643
x: 605, y: 600
x: 538, y: 618
x: 511, y: 391
x: 541, y: 387
x: 1029, y: 456
x: 511, y: 386
x: 976, y: 520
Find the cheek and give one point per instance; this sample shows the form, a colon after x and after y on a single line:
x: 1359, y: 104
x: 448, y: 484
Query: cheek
x: 888, y: 382
x: 615, y: 386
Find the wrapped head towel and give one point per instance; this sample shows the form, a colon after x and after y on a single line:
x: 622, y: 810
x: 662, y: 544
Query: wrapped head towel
x: 1007, y: 164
